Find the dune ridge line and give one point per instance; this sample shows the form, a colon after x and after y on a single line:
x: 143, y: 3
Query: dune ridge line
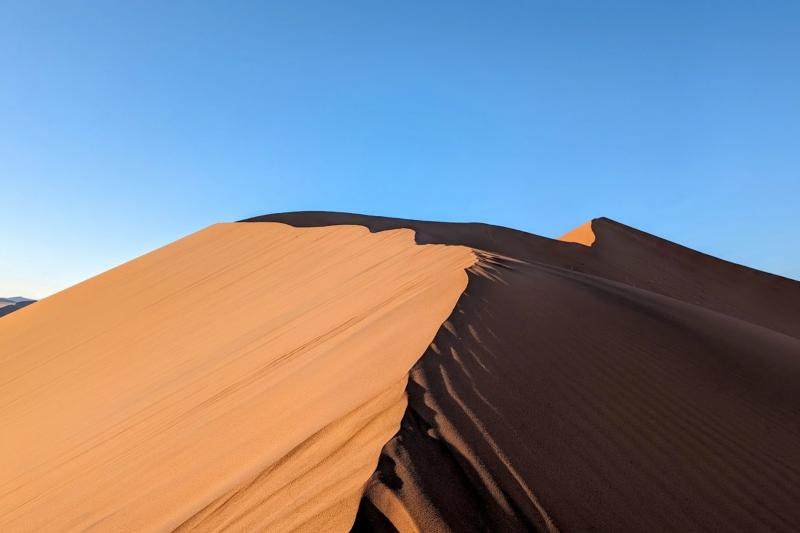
x: 624, y: 386
x: 583, y: 234
x: 245, y: 377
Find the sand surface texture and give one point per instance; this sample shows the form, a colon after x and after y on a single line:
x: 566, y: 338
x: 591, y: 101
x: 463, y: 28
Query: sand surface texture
x: 630, y: 385
x: 244, y: 377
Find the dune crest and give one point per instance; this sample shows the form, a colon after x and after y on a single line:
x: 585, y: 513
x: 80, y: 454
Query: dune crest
x: 583, y: 234
x: 636, y: 385
x: 246, y: 376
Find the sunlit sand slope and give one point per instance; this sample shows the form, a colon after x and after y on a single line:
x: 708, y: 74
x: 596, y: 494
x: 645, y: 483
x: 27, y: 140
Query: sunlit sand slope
x: 245, y: 376
x: 583, y: 234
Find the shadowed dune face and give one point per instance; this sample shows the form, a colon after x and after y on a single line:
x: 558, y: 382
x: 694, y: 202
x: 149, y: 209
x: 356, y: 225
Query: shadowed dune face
x: 633, y: 385
x: 243, y: 377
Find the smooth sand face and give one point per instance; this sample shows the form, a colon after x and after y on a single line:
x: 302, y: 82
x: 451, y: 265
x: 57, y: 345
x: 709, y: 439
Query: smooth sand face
x: 583, y: 234
x: 245, y: 376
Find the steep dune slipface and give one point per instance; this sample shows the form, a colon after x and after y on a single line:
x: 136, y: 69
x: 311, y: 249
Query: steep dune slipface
x: 245, y: 376
x: 630, y: 385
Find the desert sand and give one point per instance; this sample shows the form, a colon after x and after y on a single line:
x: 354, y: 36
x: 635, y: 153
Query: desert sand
x: 423, y: 377
x: 630, y: 385
x: 245, y: 377
x: 583, y: 234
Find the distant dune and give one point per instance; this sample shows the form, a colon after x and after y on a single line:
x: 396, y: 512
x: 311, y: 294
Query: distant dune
x: 323, y: 371
x: 583, y: 234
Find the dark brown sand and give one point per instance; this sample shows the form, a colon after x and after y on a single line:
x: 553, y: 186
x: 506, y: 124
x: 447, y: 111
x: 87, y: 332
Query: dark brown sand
x: 630, y: 385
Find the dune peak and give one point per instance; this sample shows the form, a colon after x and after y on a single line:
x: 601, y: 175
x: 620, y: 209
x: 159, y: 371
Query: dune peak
x: 583, y: 234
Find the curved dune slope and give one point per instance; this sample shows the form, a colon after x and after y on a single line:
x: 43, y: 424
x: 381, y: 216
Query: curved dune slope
x: 243, y: 377
x: 634, y: 385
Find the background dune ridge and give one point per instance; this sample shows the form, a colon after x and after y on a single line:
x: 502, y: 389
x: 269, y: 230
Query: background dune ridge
x: 245, y: 376
x: 583, y: 234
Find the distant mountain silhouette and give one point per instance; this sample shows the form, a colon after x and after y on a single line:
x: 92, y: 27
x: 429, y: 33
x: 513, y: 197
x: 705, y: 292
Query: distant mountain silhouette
x: 14, y: 303
x: 19, y: 299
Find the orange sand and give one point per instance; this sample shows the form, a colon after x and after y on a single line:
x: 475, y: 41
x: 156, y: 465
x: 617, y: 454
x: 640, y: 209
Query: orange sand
x: 245, y: 376
x: 583, y: 234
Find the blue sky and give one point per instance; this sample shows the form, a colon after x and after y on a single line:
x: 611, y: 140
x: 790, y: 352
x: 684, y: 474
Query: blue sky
x: 125, y: 125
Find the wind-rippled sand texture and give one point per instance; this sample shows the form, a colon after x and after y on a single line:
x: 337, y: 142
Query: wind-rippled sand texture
x: 244, y: 377
x: 630, y: 385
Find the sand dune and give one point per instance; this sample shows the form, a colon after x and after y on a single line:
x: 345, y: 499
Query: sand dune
x: 630, y: 385
x: 244, y: 377
x: 583, y: 234
x: 266, y: 377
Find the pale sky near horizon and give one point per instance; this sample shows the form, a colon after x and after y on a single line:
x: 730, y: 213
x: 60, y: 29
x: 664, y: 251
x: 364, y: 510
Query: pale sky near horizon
x: 126, y: 125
